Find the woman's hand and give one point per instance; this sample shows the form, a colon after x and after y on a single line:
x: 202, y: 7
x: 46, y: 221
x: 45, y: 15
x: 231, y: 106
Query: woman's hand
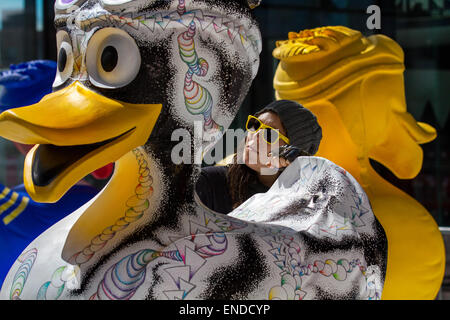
x: 284, y: 157
x: 277, y: 162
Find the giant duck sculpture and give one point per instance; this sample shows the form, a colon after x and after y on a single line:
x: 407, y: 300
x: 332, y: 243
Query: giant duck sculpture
x: 355, y: 86
x: 21, y: 218
x: 129, y: 73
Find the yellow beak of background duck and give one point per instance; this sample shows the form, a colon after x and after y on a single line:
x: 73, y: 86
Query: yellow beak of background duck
x: 76, y: 131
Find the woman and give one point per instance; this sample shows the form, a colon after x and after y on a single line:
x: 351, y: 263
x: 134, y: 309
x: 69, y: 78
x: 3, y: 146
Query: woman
x: 282, y: 123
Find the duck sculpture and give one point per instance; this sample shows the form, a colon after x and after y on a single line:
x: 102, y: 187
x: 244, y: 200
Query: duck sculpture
x: 355, y: 87
x: 21, y: 218
x: 129, y: 74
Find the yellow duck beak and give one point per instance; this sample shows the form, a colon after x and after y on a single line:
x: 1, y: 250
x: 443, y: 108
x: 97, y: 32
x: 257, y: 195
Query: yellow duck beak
x: 76, y: 131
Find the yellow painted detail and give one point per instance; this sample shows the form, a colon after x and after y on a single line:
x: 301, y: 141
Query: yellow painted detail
x: 8, y: 204
x: 355, y: 87
x: 4, y: 193
x: 23, y: 205
x: 95, y: 229
x: 77, y: 116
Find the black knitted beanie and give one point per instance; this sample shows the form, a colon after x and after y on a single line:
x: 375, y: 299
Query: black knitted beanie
x: 302, y: 128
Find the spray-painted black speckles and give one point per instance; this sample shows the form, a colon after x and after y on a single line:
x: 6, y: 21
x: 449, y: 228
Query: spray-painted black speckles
x: 326, y: 185
x: 228, y: 6
x: 376, y: 248
x: 156, y: 280
x: 169, y: 219
x: 90, y: 274
x: 89, y: 4
x: 233, y: 76
x: 242, y: 277
x: 294, y: 210
x: 317, y: 246
x: 323, y: 294
x: 156, y: 5
x: 322, y: 197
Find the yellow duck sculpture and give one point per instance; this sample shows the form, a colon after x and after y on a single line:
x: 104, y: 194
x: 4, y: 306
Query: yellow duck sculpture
x: 130, y: 73
x: 355, y: 86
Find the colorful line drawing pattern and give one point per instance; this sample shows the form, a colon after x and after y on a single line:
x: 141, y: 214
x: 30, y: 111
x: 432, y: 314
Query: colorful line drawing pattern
x: 122, y: 280
x: 181, y: 8
x: 348, y: 214
x: 67, y: 276
x: 207, y: 240
x: 27, y: 260
x: 160, y: 21
x: 80, y: 43
x: 292, y: 270
x: 136, y: 207
x: 42, y: 293
x: 198, y: 99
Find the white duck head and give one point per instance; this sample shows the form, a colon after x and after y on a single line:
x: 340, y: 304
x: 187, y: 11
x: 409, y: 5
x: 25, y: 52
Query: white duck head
x: 129, y: 74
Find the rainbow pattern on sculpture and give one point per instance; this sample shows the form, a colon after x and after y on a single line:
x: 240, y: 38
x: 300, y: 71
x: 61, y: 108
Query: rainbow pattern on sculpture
x: 137, y: 205
x: 288, y: 259
x: 57, y: 283
x: 181, y: 8
x: 20, y: 278
x: 198, y: 100
x: 123, y: 279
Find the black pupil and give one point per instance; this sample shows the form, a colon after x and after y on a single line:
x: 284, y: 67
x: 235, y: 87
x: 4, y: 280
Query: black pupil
x: 62, y: 60
x: 110, y: 57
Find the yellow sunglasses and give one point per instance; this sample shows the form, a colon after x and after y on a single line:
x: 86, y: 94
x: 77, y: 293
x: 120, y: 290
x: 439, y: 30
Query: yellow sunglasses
x: 271, y: 135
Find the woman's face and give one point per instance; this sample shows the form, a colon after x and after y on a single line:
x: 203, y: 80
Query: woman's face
x: 256, y: 150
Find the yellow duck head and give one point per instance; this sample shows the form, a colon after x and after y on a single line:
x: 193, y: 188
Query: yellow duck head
x: 129, y: 73
x: 354, y: 84
x: 355, y: 87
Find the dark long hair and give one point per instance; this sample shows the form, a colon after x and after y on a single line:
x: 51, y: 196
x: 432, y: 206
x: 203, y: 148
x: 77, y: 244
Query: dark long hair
x: 240, y: 176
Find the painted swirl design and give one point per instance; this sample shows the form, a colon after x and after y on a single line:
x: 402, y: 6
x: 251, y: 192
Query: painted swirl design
x: 27, y: 260
x: 198, y: 99
x: 122, y: 280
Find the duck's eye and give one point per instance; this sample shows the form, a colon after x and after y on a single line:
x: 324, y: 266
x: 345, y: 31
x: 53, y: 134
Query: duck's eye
x: 112, y: 58
x: 65, y: 58
x: 62, y: 59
